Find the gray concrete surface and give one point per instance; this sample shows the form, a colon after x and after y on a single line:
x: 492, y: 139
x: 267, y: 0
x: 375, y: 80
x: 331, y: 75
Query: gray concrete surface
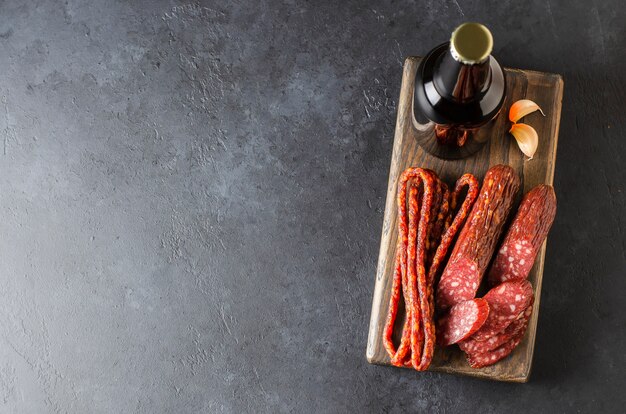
x: 192, y: 196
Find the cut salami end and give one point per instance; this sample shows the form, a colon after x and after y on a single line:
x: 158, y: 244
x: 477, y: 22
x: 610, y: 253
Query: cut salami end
x: 472, y: 346
x: 505, y: 303
x: 458, y: 283
x: 513, y: 261
x: 462, y: 321
x: 524, y: 238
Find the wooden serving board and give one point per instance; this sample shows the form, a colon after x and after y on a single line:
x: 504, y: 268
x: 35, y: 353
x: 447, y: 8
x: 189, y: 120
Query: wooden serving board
x: 547, y: 91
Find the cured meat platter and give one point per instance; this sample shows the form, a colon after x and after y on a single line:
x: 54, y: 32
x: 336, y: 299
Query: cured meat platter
x: 547, y: 91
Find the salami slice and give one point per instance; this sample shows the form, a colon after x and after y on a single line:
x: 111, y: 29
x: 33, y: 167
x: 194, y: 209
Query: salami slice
x: 505, y: 303
x: 527, y: 233
x: 477, y: 240
x: 458, y: 283
x: 481, y: 360
x: 462, y: 321
x: 472, y: 346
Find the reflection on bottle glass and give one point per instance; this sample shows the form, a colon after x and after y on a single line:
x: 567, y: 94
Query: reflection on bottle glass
x: 459, y: 87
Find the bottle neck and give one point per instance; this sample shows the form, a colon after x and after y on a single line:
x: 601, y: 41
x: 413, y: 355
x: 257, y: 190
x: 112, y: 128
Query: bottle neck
x: 461, y: 82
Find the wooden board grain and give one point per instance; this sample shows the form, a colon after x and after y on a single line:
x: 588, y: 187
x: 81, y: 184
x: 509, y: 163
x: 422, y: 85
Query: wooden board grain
x: 547, y: 91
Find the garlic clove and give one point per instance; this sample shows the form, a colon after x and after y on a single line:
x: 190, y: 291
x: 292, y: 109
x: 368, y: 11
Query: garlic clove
x: 522, y: 108
x: 526, y: 137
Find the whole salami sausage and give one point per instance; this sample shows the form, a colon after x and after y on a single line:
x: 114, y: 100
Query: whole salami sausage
x: 472, y: 346
x: 506, y: 301
x: 462, y: 321
x: 525, y: 236
x: 477, y: 241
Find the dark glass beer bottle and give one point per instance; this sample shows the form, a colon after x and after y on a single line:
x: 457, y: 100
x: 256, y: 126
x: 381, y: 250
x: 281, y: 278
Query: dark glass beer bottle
x: 459, y: 87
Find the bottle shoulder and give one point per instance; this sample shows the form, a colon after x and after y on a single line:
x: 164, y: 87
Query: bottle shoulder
x: 450, y: 92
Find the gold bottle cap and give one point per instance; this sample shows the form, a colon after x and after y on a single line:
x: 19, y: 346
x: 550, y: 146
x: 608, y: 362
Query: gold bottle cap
x: 471, y: 43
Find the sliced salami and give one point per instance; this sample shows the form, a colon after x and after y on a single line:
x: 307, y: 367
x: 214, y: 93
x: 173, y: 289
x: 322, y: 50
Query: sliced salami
x: 477, y: 241
x: 483, y: 359
x: 491, y: 357
x: 472, y: 346
x: 459, y: 281
x: 505, y: 303
x: 527, y: 233
x: 462, y: 321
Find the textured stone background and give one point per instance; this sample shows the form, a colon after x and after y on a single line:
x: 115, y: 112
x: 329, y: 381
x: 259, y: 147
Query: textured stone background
x: 192, y: 196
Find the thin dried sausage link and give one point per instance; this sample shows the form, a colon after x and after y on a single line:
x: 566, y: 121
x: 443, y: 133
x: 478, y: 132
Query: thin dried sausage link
x: 439, y: 212
x: 393, y: 305
x: 443, y: 214
x: 405, y: 340
x: 473, y: 187
x: 403, y: 272
x: 399, y: 266
x: 416, y: 252
x: 419, y: 254
x: 432, y: 238
x: 417, y: 279
x: 428, y: 304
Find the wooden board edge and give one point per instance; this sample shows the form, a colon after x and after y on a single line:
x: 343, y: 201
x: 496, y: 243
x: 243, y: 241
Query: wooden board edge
x: 521, y: 379
x: 533, y: 326
x: 536, y: 72
x: 559, y: 106
x: 389, y: 204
